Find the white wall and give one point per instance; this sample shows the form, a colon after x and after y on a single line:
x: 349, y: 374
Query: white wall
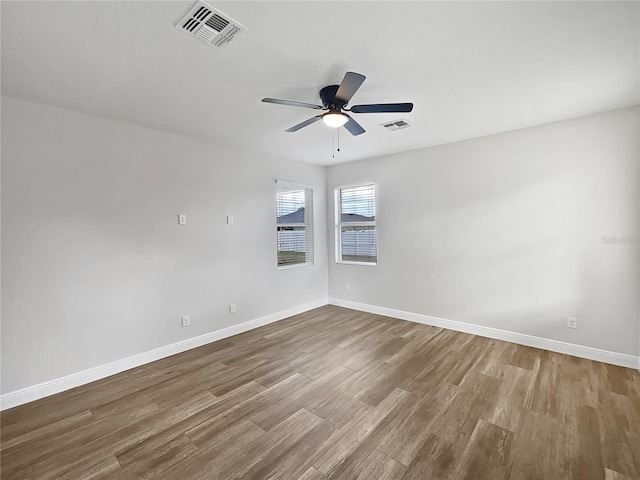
x: 503, y: 231
x: 506, y: 231
x: 95, y: 267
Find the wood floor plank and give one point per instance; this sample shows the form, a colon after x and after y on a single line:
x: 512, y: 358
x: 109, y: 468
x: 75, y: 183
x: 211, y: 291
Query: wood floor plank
x: 308, y: 397
x: 345, y: 446
x: 407, y: 437
x: 436, y: 460
x: 312, y: 474
x: 245, y: 462
x: 216, y: 424
x: 398, y: 376
x: 475, y: 399
x: 547, y: 392
x: 541, y: 449
x: 351, y: 387
x: 586, y: 458
x: 279, y: 442
x: 321, y: 439
x: 350, y: 466
x: 338, y: 394
x: 612, y: 475
x: 171, y: 439
x: 379, y: 466
x: 619, y: 454
x: 51, y: 447
x: 89, y: 467
x: 86, y: 444
x: 486, y: 456
x: 157, y: 461
x: 219, y: 455
x: 56, y: 428
x: 11, y: 426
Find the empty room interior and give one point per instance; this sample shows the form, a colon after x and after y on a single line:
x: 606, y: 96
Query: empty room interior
x: 320, y: 240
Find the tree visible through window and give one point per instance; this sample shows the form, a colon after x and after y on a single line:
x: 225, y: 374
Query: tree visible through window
x: 356, y: 240
x: 294, y: 217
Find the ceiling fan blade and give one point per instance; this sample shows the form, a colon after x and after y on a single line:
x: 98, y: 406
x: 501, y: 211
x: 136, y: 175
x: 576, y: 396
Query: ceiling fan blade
x: 291, y: 103
x: 349, y: 86
x: 382, y: 107
x: 354, y: 127
x: 297, y: 127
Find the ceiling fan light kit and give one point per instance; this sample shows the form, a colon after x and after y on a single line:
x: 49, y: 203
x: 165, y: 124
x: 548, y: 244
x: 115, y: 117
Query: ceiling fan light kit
x: 335, y: 99
x: 335, y: 119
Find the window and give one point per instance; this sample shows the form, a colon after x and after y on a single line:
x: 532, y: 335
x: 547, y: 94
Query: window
x: 294, y: 224
x: 356, y: 240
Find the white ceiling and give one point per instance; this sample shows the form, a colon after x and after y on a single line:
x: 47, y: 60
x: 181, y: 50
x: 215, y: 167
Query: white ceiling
x: 471, y: 68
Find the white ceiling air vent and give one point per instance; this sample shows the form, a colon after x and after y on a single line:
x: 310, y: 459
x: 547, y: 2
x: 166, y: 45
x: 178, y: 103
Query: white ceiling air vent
x: 396, y: 125
x: 209, y: 25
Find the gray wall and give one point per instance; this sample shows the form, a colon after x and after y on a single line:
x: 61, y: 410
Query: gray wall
x: 95, y: 267
x: 506, y: 231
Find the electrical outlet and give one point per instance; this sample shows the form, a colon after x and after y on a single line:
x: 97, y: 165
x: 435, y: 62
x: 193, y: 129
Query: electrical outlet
x: 232, y: 308
x: 348, y: 287
x: 572, y: 322
x: 186, y: 321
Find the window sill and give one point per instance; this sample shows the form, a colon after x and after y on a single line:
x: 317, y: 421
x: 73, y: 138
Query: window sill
x: 297, y: 265
x: 365, y: 264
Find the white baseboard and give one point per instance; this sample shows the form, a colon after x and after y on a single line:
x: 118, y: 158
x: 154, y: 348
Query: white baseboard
x: 35, y: 392
x: 590, y: 353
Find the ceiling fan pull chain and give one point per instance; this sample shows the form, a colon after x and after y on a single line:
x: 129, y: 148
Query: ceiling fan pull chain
x: 338, y: 139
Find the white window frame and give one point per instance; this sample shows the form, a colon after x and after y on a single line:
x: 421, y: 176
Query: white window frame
x: 339, y: 224
x: 281, y: 187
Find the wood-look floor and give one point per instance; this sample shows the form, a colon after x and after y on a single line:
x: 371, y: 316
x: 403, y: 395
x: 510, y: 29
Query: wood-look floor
x: 338, y: 394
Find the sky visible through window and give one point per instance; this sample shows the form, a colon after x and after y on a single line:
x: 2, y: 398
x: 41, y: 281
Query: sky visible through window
x: 358, y: 201
x: 289, y: 202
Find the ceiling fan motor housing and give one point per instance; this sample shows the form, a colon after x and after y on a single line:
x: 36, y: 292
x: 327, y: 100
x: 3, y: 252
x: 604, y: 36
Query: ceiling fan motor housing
x: 328, y: 97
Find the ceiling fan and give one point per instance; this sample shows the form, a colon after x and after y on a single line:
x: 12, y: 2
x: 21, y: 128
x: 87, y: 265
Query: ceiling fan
x: 335, y: 99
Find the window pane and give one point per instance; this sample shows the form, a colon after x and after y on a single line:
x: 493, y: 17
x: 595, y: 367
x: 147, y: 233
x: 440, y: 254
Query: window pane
x: 292, y: 245
x: 290, y: 207
x: 359, y: 244
x: 358, y: 204
x: 294, y: 224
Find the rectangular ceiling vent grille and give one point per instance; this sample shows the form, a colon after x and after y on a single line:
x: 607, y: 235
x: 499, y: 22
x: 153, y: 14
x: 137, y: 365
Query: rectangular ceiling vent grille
x: 396, y: 125
x: 209, y: 25
x: 217, y: 22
